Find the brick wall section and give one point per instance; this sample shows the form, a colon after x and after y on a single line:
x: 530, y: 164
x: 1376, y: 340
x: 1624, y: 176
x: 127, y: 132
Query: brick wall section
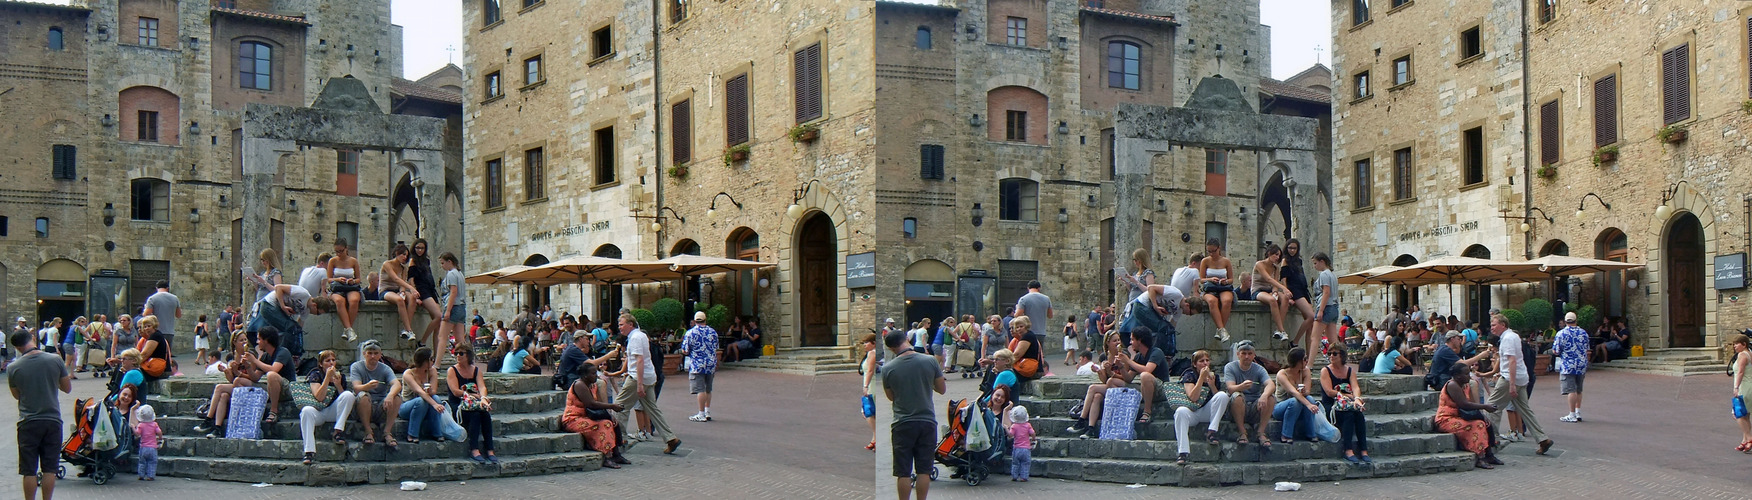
x: 135, y: 99
x: 1000, y: 11
x: 165, y: 11
x: 287, y: 87
x: 1156, y: 74
x: 1000, y: 101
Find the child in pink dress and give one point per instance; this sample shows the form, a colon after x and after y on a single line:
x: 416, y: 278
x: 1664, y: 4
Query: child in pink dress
x: 1022, y: 441
x: 146, y: 427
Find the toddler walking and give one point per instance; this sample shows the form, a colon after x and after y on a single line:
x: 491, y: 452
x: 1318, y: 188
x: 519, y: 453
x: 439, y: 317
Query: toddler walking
x: 146, y: 427
x: 1022, y: 441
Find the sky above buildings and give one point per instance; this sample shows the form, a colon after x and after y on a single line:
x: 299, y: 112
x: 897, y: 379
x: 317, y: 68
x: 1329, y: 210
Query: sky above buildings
x: 1301, y: 33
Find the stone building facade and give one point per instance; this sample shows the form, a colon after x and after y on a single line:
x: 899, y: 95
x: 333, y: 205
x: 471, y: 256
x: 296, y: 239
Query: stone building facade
x: 1594, y: 176
x: 130, y: 170
x: 896, y: 159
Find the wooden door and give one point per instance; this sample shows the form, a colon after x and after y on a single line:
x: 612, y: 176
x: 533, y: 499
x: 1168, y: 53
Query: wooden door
x: 1685, y: 283
x: 817, y: 284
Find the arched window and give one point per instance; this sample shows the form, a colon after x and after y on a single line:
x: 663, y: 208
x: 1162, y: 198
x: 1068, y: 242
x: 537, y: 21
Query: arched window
x: 1018, y: 114
x: 255, y: 62
x: 149, y: 114
x: 55, y: 41
x: 1613, y: 245
x: 1554, y: 247
x: 922, y: 40
x: 685, y: 247
x: 744, y: 244
x: 1124, y: 66
x: 1018, y: 200
x: 150, y: 200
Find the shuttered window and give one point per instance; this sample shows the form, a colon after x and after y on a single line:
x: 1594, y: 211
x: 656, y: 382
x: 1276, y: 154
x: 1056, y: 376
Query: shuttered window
x: 1548, y: 133
x: 931, y: 161
x: 806, y: 72
x: 1606, y: 110
x: 681, y: 138
x: 1402, y: 174
x: 1749, y: 56
x: 736, y: 111
x: 1676, y: 84
x: 1364, y: 185
x: 66, y: 162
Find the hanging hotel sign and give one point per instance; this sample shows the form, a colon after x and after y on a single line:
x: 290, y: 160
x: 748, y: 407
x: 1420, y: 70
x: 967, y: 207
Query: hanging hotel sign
x: 861, y: 270
x: 1438, y: 231
x: 570, y: 230
x: 1730, y: 271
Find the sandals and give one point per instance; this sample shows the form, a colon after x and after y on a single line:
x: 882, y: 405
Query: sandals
x: 1264, y: 441
x: 1182, y: 459
x: 1211, y: 436
x: 871, y: 446
x: 309, y: 457
x: 389, y: 441
x: 271, y: 418
x: 1144, y: 418
x: 1745, y: 447
x: 1241, y: 440
x: 368, y: 438
x: 341, y: 438
x: 1287, y: 441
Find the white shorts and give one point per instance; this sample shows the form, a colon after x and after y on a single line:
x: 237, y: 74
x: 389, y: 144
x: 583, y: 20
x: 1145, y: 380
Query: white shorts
x: 200, y: 343
x: 1070, y: 344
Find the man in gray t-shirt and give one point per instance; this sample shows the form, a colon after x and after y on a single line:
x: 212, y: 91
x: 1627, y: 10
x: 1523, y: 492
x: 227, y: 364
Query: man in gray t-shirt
x: 1256, y: 391
x: 1037, y: 307
x: 166, y: 307
x: 908, y: 378
x: 34, y: 378
x: 372, y: 377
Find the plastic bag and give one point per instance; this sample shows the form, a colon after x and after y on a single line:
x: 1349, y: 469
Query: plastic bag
x: 979, y: 438
x: 103, y: 430
x: 447, y: 425
x: 1323, y: 427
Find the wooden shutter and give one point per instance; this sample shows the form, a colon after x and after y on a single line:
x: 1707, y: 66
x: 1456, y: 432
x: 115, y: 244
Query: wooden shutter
x: 65, y: 162
x: 1676, y: 84
x: 1749, y: 56
x: 806, y: 73
x: 931, y: 161
x: 1548, y: 133
x: 1606, y: 110
x: 681, y: 132
x: 736, y: 110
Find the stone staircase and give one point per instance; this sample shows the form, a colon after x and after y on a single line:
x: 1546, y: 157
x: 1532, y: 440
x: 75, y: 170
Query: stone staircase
x: 526, y: 436
x: 1671, y: 362
x: 1402, y: 441
x: 809, y: 361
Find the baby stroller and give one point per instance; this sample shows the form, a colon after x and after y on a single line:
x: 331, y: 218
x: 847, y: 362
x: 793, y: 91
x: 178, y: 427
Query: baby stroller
x: 969, y: 465
x: 81, y: 449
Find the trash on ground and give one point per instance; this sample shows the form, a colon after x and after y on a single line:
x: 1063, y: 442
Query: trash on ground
x: 1288, y: 486
x: 413, y: 486
x: 1135, y: 485
x: 262, y: 485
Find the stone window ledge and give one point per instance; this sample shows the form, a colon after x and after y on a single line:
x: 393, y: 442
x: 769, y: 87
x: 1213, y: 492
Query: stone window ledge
x: 537, y: 5
x: 599, y: 60
x: 533, y: 201
x: 533, y: 86
x: 493, y: 98
x: 495, y: 24
x: 1366, y: 209
x: 1361, y: 99
x: 1405, y: 201
x: 496, y: 209
x: 1474, y: 185
x: 1401, y: 7
x: 1469, y: 60
x: 605, y: 185
x: 1402, y: 86
x: 1363, y: 24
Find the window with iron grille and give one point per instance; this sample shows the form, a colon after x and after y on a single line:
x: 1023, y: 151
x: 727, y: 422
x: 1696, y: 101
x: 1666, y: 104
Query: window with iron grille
x: 255, y: 66
x: 1472, y: 155
x: 736, y: 110
x: 806, y: 80
x: 1359, y: 12
x: 605, y: 151
x: 1363, y: 184
x: 1016, y: 126
x: 489, y: 12
x: 534, y: 174
x: 681, y: 133
x: 1016, y: 31
x: 495, y: 183
x: 1549, y: 134
x: 1676, y: 84
x: 148, y: 32
x: 1018, y: 200
x: 1124, y: 69
x: 931, y: 161
x: 66, y: 162
x: 1402, y: 174
x: 147, y: 126
x: 1606, y: 110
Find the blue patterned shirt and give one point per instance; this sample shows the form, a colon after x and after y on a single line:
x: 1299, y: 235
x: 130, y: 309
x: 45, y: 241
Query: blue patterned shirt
x: 1572, y: 351
x: 701, y: 344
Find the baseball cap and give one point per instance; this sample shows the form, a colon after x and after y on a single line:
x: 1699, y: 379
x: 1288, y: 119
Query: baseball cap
x: 1454, y: 335
x: 21, y: 319
x: 700, y: 316
x: 1569, y: 317
x: 890, y: 320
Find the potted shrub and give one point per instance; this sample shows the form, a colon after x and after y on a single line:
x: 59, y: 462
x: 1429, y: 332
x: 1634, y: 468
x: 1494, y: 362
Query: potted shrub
x: 734, y: 154
x: 1547, y: 171
x: 807, y: 132
x: 1671, y: 134
x: 678, y: 171
x: 1605, y: 155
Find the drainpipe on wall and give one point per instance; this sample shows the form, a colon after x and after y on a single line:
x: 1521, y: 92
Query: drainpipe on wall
x: 1526, y: 136
x: 657, y: 112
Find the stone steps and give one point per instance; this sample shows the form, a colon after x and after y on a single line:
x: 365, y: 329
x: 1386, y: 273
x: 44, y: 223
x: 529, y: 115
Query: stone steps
x: 1162, y: 427
x: 1165, y: 472
x: 503, y: 404
x: 1378, y: 405
x: 1656, y: 369
x: 344, y: 473
x: 201, y: 386
x: 797, y: 366
x: 287, y: 428
x: 1228, y: 451
x: 292, y: 450
x: 1073, y: 387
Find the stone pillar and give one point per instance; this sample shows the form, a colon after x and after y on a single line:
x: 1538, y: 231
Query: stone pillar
x: 1305, y: 200
x: 1131, y: 188
x: 261, y: 161
x: 429, y: 182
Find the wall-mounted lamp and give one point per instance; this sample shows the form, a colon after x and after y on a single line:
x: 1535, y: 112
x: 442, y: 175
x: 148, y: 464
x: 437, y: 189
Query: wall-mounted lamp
x: 1064, y: 128
x: 712, y: 212
x: 1663, y: 212
x: 292, y: 206
x: 319, y: 209
x: 109, y: 214
x: 978, y: 215
x: 322, y: 45
x: 194, y: 128
x: 373, y: 214
x: 194, y: 216
x: 1063, y: 43
x: 349, y: 51
x: 1091, y: 201
x: 1581, y: 207
x: 194, y: 43
x: 226, y: 202
x: 108, y: 121
x: 657, y: 220
x: 1063, y: 217
x: 1241, y: 212
x: 1161, y: 205
x: 376, y: 56
x: 973, y: 121
x: 1218, y: 51
x: 1527, y: 222
x: 1186, y: 209
x: 795, y: 211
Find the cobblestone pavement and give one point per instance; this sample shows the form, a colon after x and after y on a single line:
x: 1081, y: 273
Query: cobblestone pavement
x: 768, y: 439
x: 1643, y: 436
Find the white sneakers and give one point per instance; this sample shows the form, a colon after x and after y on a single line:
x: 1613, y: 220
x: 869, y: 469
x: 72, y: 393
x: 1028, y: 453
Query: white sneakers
x: 1223, y: 334
x: 1575, y: 416
x: 1281, y: 335
x: 640, y: 436
x: 406, y: 334
x: 702, y: 416
x: 348, y: 333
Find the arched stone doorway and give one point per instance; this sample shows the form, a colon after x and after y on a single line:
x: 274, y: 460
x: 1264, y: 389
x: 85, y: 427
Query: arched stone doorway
x: 60, y: 291
x: 404, y: 215
x: 744, y: 244
x: 817, y: 286
x: 535, y: 296
x: 1404, y: 296
x: 1684, y: 247
x: 1274, y: 208
x: 929, y: 289
x: 609, y: 299
x: 1613, y: 245
x: 1477, y: 296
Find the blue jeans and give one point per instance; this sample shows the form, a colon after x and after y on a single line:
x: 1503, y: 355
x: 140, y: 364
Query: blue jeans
x: 1020, y: 460
x: 148, y: 466
x: 421, y: 418
x: 1298, y: 421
